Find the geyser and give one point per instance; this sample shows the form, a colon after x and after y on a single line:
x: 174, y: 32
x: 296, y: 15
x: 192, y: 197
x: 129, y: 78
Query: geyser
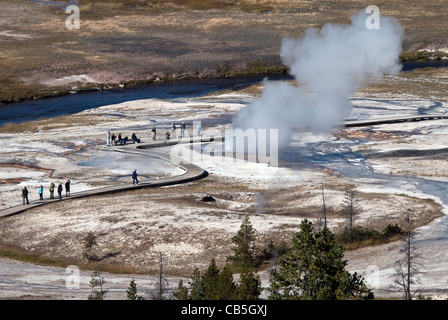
x: 328, y: 65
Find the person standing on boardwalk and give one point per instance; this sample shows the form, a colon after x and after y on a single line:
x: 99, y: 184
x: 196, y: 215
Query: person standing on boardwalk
x: 40, y: 191
x: 173, y: 129
x: 108, y: 138
x: 154, y: 132
x: 182, y: 129
x: 67, y: 188
x: 60, y: 191
x: 51, y: 190
x: 198, y: 129
x: 25, y: 195
x: 134, y: 177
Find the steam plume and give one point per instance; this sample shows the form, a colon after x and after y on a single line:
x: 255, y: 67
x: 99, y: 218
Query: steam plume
x: 328, y: 65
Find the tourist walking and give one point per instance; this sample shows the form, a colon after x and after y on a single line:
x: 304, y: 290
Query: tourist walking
x: 51, y: 190
x: 60, y: 191
x: 134, y: 177
x: 67, y: 188
x: 40, y: 191
x: 198, y: 129
x: 25, y: 195
x: 108, y: 138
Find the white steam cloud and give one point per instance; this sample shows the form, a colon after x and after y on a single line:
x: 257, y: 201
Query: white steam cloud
x: 328, y: 65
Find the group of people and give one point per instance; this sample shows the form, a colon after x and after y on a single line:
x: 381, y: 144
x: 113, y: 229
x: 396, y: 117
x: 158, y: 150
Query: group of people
x: 51, y: 189
x: 169, y: 134
x: 114, y: 140
x: 119, y: 139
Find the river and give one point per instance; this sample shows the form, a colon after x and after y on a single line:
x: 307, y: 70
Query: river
x: 77, y: 102
x: 73, y: 103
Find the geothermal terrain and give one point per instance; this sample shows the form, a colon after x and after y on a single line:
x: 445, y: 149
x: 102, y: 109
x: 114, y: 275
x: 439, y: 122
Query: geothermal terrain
x: 398, y: 169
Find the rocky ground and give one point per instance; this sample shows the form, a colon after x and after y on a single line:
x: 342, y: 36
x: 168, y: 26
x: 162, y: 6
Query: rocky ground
x: 396, y: 168
x: 134, y: 228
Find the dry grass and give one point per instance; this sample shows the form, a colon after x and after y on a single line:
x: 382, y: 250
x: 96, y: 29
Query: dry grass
x: 132, y: 40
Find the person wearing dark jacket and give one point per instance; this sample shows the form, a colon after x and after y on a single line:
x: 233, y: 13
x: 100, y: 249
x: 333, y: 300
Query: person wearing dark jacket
x: 25, y: 195
x: 154, y: 132
x: 60, y: 191
x: 67, y: 188
x: 134, y: 177
x: 134, y: 138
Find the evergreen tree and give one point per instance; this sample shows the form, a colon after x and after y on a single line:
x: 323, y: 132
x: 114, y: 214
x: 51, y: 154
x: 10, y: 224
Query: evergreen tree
x: 249, y: 287
x: 314, y: 269
x: 226, y: 288
x: 243, y: 240
x: 210, y: 280
x: 197, y: 291
x: 131, y: 291
x: 182, y: 292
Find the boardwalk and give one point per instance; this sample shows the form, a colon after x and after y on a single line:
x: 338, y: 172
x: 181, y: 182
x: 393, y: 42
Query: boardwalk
x: 192, y: 172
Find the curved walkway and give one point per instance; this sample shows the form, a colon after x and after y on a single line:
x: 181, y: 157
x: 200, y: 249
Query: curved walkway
x: 192, y: 172
x: 373, y: 122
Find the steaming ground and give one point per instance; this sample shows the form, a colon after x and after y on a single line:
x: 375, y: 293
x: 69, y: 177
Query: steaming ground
x: 133, y: 228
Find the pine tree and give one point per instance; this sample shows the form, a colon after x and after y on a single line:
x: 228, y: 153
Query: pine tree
x: 226, y: 287
x: 210, y: 280
x: 197, y: 291
x: 249, y: 287
x: 182, y: 292
x: 131, y: 292
x: 244, y: 253
x: 314, y: 269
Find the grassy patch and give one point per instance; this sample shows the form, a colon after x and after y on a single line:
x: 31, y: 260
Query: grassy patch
x: 12, y: 90
x: 362, y: 237
x: 52, y: 123
x: 423, y: 55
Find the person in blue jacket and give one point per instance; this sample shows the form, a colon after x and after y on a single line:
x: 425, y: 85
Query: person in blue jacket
x: 134, y: 177
x: 40, y: 191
